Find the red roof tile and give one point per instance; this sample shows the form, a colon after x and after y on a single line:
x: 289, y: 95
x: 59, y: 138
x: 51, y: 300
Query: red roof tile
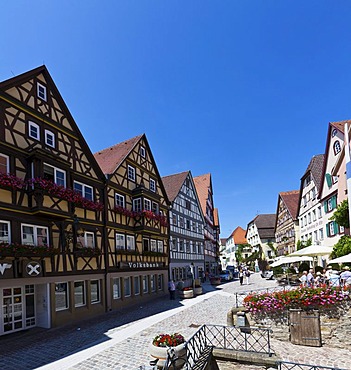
x: 203, y: 184
x: 173, y: 183
x: 291, y: 200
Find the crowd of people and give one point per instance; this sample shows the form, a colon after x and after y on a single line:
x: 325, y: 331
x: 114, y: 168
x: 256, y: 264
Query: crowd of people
x: 327, y: 276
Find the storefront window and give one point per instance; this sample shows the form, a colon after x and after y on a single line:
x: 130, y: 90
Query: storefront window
x: 79, y: 293
x: 116, y: 287
x: 61, y: 296
x: 95, y: 291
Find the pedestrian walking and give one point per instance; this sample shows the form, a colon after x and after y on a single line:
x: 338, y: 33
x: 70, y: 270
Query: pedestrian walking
x: 171, y: 289
x: 303, y: 278
x: 247, y: 276
x: 241, y: 276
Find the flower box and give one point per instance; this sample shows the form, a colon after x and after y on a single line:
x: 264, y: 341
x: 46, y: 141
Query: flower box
x: 186, y: 293
x: 198, y: 290
x: 215, y: 280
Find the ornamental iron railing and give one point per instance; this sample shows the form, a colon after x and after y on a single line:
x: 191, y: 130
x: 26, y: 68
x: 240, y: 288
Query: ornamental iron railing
x: 285, y: 365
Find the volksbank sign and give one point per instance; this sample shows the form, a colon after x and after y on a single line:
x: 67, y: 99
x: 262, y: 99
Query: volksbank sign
x: 141, y: 265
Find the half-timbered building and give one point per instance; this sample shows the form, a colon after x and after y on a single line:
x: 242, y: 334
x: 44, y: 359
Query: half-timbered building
x: 51, y: 210
x: 186, y: 229
x: 136, y: 224
x: 203, y: 186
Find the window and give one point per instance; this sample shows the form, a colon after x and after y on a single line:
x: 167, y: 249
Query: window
x: 146, y: 245
x: 79, y: 293
x: 130, y: 243
x: 55, y: 175
x: 142, y: 151
x: 136, y: 285
x: 337, y: 147
x: 49, y: 138
x: 41, y: 91
x: 319, y: 212
x: 86, y: 240
x: 332, y: 228
x: 127, y: 289
x: 153, y: 245
x: 4, y: 163
x: 181, y: 246
x: 119, y: 199
x: 4, y: 232
x: 188, y: 205
x: 85, y: 191
x: 181, y: 221
x: 120, y: 241
x: 145, y: 284
x: 174, y: 220
x: 160, y: 246
x: 153, y: 185
x: 188, y: 224
x: 153, y: 283
x: 95, y: 291
x: 321, y: 234
x: 34, y: 235
x: 159, y: 282
x: 155, y: 208
x: 33, y: 130
x: 61, y: 296
x: 314, y: 218
x: 147, y: 204
x: 309, y: 217
x: 131, y: 173
x: 116, y: 288
x: 137, y: 205
x: 174, y: 244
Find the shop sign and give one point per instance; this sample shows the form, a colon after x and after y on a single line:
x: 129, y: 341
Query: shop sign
x: 140, y: 265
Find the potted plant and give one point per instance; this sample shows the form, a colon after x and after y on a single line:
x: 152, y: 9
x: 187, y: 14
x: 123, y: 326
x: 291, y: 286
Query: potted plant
x: 197, y: 287
x: 162, y: 343
x: 186, y: 292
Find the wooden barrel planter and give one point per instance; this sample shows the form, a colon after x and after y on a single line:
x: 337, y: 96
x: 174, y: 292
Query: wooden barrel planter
x: 160, y: 353
x: 198, y: 290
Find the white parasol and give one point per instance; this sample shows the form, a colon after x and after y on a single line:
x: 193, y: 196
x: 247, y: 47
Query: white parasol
x: 342, y: 259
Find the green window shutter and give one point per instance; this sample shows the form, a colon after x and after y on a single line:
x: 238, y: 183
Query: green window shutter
x: 333, y: 201
x: 329, y: 179
x: 327, y: 229
x: 336, y: 228
x: 325, y: 206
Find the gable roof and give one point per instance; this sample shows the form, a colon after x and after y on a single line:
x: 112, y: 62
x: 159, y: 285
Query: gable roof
x: 173, y: 184
x: 202, y: 185
x: 315, y: 167
x: 291, y: 201
x: 265, y: 224
x: 110, y: 159
x: 239, y: 236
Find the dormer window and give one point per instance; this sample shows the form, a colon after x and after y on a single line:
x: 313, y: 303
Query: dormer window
x: 33, y: 130
x: 41, y: 91
x: 153, y: 185
x: 49, y: 139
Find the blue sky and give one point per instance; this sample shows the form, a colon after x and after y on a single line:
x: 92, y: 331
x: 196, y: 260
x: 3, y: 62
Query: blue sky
x: 241, y: 89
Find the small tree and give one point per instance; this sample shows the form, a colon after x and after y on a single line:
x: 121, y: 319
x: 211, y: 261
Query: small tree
x: 342, y: 247
x: 341, y: 214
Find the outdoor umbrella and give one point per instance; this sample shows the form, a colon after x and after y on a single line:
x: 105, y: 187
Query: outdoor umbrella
x: 284, y: 260
x: 313, y: 251
x: 342, y: 259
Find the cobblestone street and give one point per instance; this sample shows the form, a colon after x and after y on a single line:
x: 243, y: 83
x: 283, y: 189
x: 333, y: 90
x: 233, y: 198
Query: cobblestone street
x: 121, y: 340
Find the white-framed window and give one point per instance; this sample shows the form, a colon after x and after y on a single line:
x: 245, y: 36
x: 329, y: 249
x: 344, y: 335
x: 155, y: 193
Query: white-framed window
x: 85, y: 191
x: 181, y: 245
x: 34, y: 235
x: 332, y: 228
x: 61, y: 296
x: 341, y: 229
x: 95, y: 291
x: 33, y: 130
x: 120, y: 241
x: 130, y: 242
x: 136, y: 285
x: 87, y: 239
x: 49, y: 138
x: 319, y: 211
x: 315, y: 236
x: 155, y: 208
x: 127, y: 287
x: 137, y: 205
x: 145, y: 284
x: 174, y: 244
x: 174, y: 220
x: 142, y: 151
x: 181, y: 221
x: 4, y: 163
x: 5, y: 236
x: 153, y: 185
x: 153, y: 245
x: 116, y: 288
x: 41, y: 91
x: 79, y: 293
x: 55, y: 174
x: 147, y: 204
x: 131, y: 173
x: 314, y: 217
x: 160, y: 246
x: 119, y: 200
x: 309, y: 217
x: 153, y: 283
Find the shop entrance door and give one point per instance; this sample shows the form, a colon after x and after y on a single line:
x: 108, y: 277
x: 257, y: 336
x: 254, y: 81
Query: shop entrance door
x: 12, y: 309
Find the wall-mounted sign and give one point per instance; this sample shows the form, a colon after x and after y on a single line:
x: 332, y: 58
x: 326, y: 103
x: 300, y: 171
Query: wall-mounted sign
x: 141, y: 265
x: 32, y: 268
x: 6, y: 270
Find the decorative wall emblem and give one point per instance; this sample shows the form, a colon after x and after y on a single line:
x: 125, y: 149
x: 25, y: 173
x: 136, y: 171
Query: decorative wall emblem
x: 33, y: 268
x: 4, y: 266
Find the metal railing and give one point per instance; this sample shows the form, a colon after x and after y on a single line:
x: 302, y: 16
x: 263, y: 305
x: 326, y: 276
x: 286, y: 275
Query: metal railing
x: 199, y: 346
x: 285, y: 365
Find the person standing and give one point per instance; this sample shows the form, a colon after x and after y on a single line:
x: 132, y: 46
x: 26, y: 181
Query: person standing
x: 303, y: 278
x: 171, y: 289
x: 241, y: 276
x: 247, y: 276
x: 310, y: 279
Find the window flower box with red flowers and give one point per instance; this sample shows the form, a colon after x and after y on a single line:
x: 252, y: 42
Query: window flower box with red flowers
x: 9, y: 181
x: 24, y: 250
x: 126, y: 212
x: 186, y: 292
x: 128, y: 252
x: 88, y: 252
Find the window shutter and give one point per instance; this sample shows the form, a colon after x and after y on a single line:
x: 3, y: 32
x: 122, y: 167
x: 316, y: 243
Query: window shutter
x: 329, y: 179
x: 336, y: 227
x: 327, y: 229
x: 333, y: 201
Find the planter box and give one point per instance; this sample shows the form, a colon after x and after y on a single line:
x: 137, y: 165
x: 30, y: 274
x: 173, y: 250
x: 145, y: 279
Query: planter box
x: 186, y: 293
x: 215, y: 281
x: 161, y: 354
x: 198, y: 290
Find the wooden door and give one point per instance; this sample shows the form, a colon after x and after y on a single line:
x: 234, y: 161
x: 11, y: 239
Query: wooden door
x: 305, y: 328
